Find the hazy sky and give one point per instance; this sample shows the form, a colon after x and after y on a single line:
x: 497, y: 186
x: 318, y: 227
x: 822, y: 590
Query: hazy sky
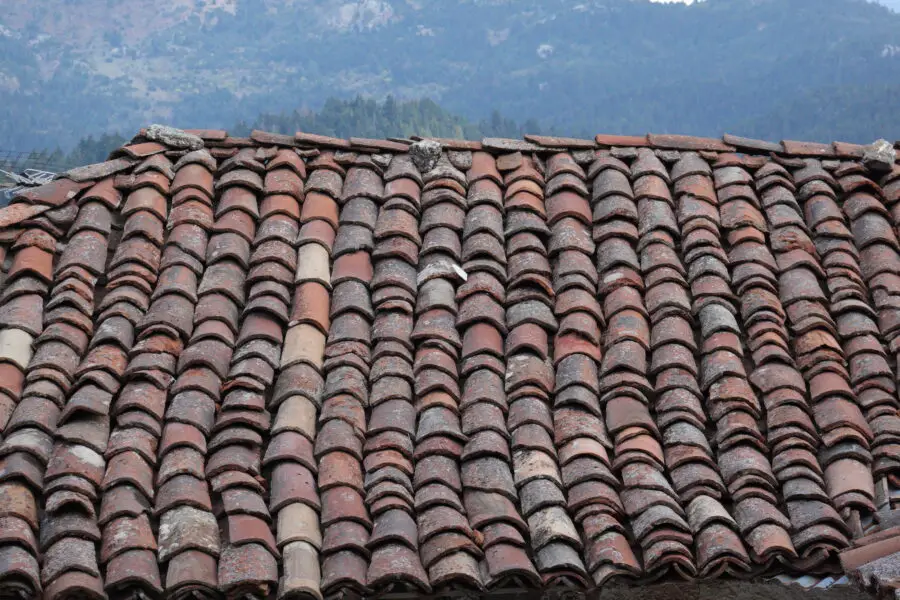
x: 893, y: 4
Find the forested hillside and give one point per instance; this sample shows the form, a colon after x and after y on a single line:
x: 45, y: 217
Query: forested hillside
x: 366, y: 117
x: 360, y: 117
x: 807, y: 69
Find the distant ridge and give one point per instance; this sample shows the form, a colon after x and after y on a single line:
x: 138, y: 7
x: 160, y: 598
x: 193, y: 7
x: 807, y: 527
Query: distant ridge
x: 770, y: 69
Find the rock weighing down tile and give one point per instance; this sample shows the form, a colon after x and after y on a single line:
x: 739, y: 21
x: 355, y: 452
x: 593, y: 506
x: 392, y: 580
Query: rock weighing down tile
x: 297, y: 365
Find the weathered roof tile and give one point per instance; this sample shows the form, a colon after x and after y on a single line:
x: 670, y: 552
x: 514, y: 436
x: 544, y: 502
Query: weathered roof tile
x: 379, y: 386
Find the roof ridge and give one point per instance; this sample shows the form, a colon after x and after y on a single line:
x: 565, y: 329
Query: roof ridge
x: 727, y: 143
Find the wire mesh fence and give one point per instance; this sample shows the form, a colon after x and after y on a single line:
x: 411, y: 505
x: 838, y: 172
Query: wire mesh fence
x: 25, y: 169
x: 14, y: 161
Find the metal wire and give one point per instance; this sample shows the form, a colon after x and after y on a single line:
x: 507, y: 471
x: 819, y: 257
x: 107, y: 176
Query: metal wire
x: 20, y: 170
x: 15, y: 161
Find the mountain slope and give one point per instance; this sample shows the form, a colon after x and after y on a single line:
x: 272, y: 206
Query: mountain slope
x: 69, y: 67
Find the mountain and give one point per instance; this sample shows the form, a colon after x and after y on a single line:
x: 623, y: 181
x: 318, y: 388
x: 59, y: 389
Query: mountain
x: 779, y: 68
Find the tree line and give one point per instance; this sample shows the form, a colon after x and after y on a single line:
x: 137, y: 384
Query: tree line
x: 357, y: 117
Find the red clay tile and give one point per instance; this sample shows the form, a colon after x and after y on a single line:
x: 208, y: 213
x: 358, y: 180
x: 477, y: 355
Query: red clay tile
x: 742, y: 143
x: 559, y: 142
x: 311, y: 139
x: 682, y: 142
x: 808, y: 148
x: 411, y: 374
x: 608, y: 141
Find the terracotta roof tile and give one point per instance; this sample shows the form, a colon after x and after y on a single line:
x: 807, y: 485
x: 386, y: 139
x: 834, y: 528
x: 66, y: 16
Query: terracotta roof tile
x: 808, y: 148
x: 608, y: 141
x: 508, y: 145
x: 685, y: 142
x: 745, y: 144
x: 312, y: 139
x: 382, y: 145
x: 209, y: 134
x: 453, y: 144
x: 274, y: 139
x: 560, y: 142
x: 387, y: 379
x: 141, y: 150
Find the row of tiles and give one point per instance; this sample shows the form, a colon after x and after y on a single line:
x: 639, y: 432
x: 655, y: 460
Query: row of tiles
x: 879, y: 155
x: 455, y: 442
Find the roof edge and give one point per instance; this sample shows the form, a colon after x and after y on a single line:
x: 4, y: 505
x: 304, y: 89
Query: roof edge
x: 727, y: 143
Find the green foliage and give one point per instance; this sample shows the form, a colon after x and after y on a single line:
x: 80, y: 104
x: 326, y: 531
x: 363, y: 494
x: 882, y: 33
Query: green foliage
x: 803, y: 69
x: 368, y: 118
x: 360, y: 117
x: 92, y: 150
x: 87, y: 151
x: 844, y: 113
